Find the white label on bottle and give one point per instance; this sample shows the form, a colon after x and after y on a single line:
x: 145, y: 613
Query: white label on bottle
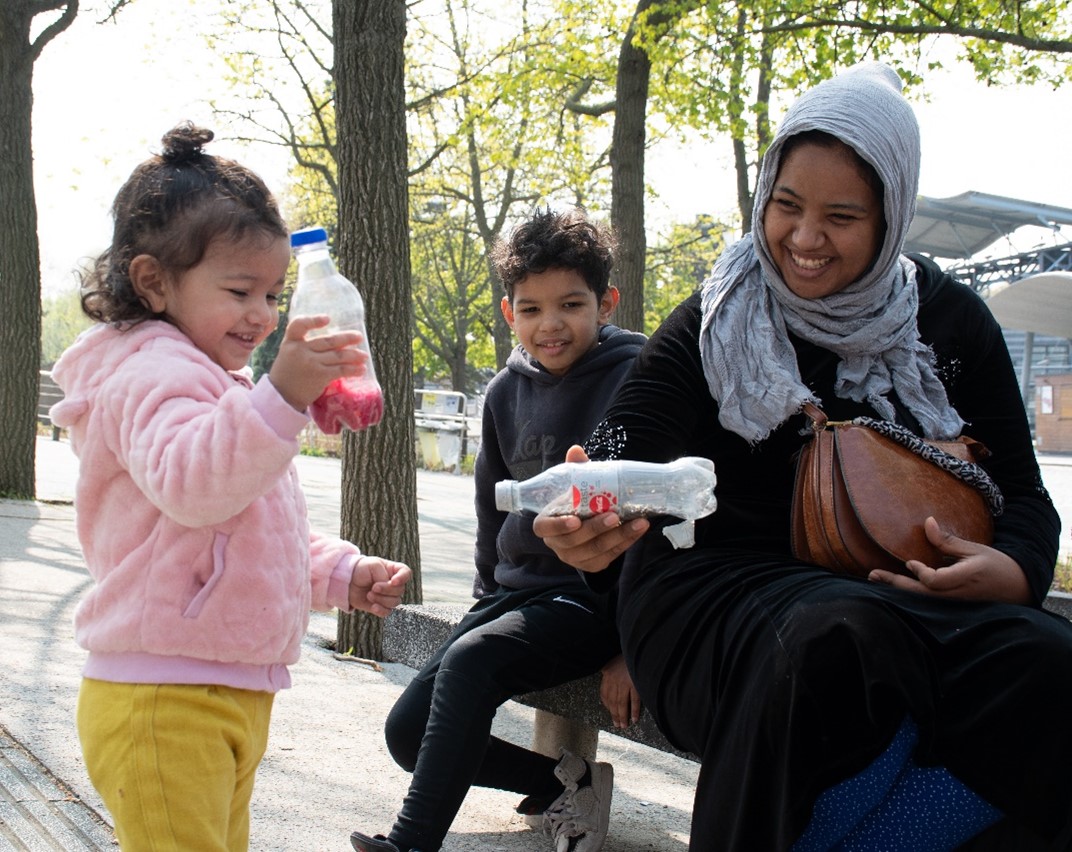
x: 594, y: 490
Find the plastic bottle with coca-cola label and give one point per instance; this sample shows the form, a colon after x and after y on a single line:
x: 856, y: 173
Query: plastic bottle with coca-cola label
x: 683, y: 489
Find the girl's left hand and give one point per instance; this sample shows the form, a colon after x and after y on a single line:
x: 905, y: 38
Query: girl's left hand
x: 377, y: 584
x: 978, y: 573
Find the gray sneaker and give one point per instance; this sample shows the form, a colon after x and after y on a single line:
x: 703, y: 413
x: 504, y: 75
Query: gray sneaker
x: 579, y: 818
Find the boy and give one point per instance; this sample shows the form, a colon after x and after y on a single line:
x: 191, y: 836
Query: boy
x: 536, y: 624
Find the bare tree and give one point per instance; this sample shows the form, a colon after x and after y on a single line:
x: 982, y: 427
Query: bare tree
x: 20, y: 254
x: 503, y: 140
x: 379, y: 476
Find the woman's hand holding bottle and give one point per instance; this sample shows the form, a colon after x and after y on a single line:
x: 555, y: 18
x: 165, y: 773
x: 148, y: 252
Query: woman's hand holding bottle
x: 594, y: 543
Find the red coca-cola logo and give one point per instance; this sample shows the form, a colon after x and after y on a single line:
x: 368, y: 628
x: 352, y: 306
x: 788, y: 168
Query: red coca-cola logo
x: 603, y: 502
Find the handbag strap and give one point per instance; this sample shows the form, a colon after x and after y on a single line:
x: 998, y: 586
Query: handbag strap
x: 816, y: 415
x: 967, y: 471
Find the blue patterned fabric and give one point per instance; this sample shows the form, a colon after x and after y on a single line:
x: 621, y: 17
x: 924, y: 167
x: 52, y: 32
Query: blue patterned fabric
x: 896, y: 805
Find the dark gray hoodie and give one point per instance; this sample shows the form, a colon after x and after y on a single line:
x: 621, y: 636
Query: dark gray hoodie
x: 530, y: 419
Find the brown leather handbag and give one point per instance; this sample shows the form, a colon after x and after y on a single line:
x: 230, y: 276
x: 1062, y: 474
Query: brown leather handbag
x: 861, y: 498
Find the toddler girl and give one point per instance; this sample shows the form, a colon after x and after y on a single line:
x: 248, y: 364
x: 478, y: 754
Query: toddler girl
x: 189, y: 510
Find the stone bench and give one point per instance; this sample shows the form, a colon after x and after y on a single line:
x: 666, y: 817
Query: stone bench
x: 570, y: 715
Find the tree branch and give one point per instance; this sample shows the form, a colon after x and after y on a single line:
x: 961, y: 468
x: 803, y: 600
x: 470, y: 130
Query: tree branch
x: 948, y: 29
x: 70, y: 11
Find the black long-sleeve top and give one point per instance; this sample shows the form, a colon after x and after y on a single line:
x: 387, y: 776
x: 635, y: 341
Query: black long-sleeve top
x: 664, y: 411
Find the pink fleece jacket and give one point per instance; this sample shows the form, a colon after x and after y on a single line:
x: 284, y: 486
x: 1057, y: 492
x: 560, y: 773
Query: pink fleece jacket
x: 190, y: 515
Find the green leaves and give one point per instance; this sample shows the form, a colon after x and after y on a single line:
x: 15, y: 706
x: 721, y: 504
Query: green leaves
x: 510, y: 106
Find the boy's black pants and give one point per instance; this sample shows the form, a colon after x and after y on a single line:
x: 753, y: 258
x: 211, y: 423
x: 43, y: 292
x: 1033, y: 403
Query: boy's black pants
x: 509, y: 643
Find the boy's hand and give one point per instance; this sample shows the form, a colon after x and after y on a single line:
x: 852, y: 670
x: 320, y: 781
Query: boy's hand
x: 618, y: 694
x: 377, y: 584
x: 303, y: 368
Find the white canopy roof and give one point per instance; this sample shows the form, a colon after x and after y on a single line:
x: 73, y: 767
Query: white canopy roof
x: 965, y: 224
x: 1040, y: 303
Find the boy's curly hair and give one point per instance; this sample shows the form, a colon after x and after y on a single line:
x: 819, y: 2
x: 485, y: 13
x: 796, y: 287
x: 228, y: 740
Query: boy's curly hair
x: 551, y: 239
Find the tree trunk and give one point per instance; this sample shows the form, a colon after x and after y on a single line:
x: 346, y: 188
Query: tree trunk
x: 379, y: 478
x: 459, y: 365
x: 627, y: 160
x: 20, y: 273
x: 20, y: 259
x: 627, y: 177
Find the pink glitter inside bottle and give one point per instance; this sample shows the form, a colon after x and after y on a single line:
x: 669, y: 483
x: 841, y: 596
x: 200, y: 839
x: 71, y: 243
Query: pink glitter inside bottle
x: 353, y: 402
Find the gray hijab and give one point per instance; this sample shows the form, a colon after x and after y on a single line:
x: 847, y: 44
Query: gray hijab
x: 748, y: 310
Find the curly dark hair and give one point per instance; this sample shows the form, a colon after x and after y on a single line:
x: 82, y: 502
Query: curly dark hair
x: 171, y: 207
x: 551, y: 239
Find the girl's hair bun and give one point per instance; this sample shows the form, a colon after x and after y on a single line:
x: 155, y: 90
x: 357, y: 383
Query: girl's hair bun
x: 185, y: 142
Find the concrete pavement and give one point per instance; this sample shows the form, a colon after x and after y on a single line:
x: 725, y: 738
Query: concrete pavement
x: 327, y: 770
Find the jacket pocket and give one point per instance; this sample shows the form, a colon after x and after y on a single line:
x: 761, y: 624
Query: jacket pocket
x: 219, y: 545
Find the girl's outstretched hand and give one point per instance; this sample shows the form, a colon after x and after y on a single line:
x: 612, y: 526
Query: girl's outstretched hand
x: 976, y: 571
x: 377, y: 584
x: 304, y: 367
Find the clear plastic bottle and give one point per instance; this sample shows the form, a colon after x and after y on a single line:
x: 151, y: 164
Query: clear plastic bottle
x: 355, y: 402
x: 682, y: 488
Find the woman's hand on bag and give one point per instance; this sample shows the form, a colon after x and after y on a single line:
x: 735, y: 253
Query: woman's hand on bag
x: 592, y: 544
x: 977, y: 572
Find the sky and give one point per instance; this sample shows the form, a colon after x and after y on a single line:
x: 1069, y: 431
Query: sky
x: 105, y: 94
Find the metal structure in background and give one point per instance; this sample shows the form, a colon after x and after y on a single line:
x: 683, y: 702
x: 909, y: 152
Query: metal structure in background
x: 442, y: 419
x: 1041, y: 302
x: 960, y: 227
x: 1031, y: 291
x: 1037, y: 321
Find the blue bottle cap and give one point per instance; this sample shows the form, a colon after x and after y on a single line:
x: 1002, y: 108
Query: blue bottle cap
x: 308, y: 236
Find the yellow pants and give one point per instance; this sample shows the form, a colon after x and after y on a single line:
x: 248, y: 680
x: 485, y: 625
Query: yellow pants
x: 173, y: 763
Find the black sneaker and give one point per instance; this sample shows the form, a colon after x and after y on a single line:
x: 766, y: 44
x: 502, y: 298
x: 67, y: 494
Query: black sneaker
x: 364, y: 843
x: 532, y: 809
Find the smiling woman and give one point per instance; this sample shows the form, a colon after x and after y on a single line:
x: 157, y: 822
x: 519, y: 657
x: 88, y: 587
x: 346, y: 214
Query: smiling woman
x: 822, y: 706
